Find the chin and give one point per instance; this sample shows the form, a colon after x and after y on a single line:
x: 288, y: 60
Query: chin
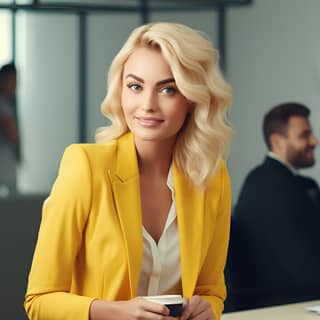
x: 147, y: 138
x: 151, y: 135
x: 306, y: 164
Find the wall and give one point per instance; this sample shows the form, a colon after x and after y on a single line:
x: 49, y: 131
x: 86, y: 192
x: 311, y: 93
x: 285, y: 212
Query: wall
x: 47, y: 94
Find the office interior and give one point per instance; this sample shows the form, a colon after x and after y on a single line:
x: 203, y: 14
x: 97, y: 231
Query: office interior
x: 270, y: 53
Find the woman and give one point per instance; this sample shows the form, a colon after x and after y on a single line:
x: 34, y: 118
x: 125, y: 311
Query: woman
x: 146, y: 211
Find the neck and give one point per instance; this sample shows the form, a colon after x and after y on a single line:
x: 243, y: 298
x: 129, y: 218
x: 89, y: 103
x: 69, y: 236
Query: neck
x: 283, y: 160
x: 154, y: 158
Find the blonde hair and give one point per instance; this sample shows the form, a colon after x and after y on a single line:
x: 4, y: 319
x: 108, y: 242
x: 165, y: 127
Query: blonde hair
x: 204, y: 140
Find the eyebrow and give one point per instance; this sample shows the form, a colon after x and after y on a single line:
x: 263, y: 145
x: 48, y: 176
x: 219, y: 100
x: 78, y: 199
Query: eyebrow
x: 164, y: 81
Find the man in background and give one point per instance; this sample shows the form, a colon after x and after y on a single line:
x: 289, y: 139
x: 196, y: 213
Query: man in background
x: 9, y: 138
x: 275, y: 242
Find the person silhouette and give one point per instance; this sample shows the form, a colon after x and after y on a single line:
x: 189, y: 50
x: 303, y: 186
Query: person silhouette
x: 9, y: 136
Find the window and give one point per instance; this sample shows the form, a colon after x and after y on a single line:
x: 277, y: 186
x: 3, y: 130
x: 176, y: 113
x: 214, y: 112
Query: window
x: 5, y: 36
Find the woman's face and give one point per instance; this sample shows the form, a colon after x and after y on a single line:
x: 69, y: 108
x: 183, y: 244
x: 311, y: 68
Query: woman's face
x: 154, y: 108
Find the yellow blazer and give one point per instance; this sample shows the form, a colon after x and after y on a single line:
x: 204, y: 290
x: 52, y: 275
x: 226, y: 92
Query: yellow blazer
x: 90, y: 239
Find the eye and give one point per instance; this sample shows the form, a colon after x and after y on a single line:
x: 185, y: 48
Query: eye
x: 134, y: 87
x: 169, y: 90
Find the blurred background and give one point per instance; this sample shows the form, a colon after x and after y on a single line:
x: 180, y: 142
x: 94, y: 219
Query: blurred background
x: 62, y: 50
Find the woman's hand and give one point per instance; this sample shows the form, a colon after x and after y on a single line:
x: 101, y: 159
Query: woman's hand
x: 135, y: 309
x: 197, y: 309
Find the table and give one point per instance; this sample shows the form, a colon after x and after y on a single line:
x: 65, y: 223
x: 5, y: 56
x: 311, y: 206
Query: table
x: 294, y: 311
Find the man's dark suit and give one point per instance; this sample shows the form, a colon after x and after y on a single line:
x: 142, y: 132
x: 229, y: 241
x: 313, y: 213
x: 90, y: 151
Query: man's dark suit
x: 274, y: 255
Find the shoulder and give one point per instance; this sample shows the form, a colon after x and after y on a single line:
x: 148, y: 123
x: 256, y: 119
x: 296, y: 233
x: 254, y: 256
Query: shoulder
x: 221, y: 177
x: 266, y: 181
x: 222, y: 169
x: 93, y: 154
x: 260, y: 172
x: 308, y: 182
x: 93, y: 150
x: 101, y: 157
x: 5, y: 108
x: 270, y: 171
x: 83, y: 163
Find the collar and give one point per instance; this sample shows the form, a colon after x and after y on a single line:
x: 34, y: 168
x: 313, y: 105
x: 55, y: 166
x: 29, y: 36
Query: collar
x: 275, y: 157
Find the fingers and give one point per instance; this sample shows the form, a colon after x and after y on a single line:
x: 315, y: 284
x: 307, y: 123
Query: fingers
x: 205, y: 315
x: 150, y: 310
x: 197, y: 309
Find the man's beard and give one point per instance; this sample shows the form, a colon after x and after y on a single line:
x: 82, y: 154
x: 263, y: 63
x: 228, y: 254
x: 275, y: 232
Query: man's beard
x: 299, y: 159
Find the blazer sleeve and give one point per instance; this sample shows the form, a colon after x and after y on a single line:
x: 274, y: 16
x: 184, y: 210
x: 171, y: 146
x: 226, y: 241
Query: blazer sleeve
x: 60, y: 235
x: 211, y: 283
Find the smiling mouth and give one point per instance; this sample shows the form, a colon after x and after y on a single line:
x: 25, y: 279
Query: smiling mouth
x: 310, y: 153
x: 149, y: 122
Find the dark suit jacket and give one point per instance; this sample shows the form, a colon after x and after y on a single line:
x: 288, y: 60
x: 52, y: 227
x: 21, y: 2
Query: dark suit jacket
x: 274, y: 254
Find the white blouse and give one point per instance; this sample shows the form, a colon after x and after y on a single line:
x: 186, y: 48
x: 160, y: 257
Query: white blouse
x: 160, y: 272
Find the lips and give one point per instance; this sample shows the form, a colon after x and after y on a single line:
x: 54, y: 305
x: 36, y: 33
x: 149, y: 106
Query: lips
x: 309, y: 153
x: 149, y: 121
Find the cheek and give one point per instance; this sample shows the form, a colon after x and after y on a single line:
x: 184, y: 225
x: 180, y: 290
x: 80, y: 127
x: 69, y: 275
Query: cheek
x: 125, y: 103
x: 182, y: 117
x: 299, y: 144
x: 182, y: 113
x: 178, y: 119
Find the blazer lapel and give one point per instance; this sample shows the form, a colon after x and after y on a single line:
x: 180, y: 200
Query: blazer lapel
x: 126, y: 191
x: 190, y: 208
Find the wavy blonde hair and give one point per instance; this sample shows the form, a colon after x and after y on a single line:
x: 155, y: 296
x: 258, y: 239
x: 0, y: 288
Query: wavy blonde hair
x: 205, y: 138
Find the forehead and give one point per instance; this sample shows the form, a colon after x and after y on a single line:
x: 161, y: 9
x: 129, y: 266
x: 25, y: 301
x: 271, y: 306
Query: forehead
x: 298, y: 124
x: 147, y: 62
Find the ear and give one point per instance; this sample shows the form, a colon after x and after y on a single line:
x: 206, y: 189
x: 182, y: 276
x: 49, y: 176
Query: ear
x: 278, y: 143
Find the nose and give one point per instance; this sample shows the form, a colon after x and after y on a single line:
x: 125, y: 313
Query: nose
x: 313, y: 140
x: 149, y: 102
